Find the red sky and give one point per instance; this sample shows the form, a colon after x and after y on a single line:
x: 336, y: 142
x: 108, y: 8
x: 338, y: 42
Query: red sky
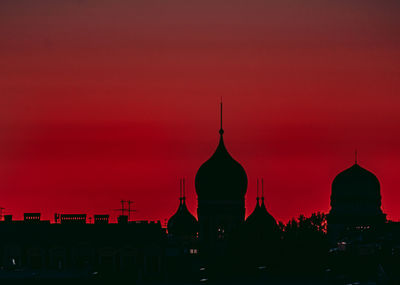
x: 103, y: 100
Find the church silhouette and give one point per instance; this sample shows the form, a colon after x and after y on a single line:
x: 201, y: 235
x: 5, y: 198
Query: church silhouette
x: 221, y: 245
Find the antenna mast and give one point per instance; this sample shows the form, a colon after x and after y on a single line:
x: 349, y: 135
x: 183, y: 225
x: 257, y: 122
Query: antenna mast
x: 129, y: 209
x: 123, y: 209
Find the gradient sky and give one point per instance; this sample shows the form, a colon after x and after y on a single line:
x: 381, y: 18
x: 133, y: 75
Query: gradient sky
x: 104, y: 100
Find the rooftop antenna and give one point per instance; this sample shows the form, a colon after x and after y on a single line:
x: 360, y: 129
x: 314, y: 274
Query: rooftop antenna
x: 355, y: 156
x: 221, y: 130
x: 123, y: 209
x: 129, y: 209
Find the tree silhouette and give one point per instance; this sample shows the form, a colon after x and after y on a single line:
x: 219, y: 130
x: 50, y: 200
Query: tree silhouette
x: 304, y: 242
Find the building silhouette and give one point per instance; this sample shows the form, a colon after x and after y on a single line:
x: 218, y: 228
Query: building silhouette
x: 221, y: 185
x: 182, y: 224
x: 355, y: 202
x: 74, y: 249
x: 260, y: 224
x: 220, y: 243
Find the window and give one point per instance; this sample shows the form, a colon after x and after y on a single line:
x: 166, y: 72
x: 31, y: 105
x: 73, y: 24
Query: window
x: 193, y: 251
x: 220, y: 232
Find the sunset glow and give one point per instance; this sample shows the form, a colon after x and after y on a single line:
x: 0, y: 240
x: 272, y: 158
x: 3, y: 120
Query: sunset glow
x: 108, y: 100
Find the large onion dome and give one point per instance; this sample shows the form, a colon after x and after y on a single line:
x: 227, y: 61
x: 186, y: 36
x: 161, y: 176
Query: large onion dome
x: 356, y: 189
x: 182, y: 223
x: 221, y: 177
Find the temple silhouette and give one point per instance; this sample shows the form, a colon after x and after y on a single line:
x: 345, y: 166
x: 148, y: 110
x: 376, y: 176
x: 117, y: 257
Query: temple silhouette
x: 353, y: 242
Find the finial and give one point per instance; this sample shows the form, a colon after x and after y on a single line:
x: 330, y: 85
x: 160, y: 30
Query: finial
x: 221, y: 130
x: 257, y: 193
x: 184, y: 191
x: 180, y: 191
x: 355, y: 156
x: 262, y: 190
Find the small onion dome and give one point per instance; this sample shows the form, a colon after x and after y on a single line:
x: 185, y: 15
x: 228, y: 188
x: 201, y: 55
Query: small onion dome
x: 182, y: 223
x: 221, y: 177
x: 261, y: 220
x: 356, y: 185
x: 253, y: 217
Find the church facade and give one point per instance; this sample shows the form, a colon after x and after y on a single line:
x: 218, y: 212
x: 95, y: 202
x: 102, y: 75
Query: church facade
x: 221, y: 186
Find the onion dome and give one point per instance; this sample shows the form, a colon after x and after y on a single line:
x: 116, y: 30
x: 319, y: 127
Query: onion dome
x: 260, y: 219
x: 182, y: 223
x: 253, y: 217
x: 356, y: 187
x: 221, y: 177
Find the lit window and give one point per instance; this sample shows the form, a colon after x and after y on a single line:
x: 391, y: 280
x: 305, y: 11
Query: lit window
x: 220, y: 232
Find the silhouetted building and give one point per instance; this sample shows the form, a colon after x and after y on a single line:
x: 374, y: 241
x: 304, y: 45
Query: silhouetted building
x: 32, y: 217
x: 182, y: 224
x: 355, y: 202
x: 73, y: 218
x: 122, y: 219
x: 7, y: 218
x: 74, y: 249
x: 261, y: 235
x: 182, y: 248
x: 260, y: 224
x: 101, y: 219
x: 221, y: 184
x: 220, y: 243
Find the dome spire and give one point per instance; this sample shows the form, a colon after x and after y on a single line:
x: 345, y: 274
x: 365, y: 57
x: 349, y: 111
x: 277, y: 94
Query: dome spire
x: 221, y: 130
x: 183, y: 192
x: 182, y: 223
x: 260, y: 220
x: 180, y: 191
x: 355, y: 156
x: 221, y: 177
x: 262, y: 191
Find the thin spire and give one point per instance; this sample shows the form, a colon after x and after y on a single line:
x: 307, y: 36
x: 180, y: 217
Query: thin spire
x: 221, y: 130
x: 180, y: 191
x: 262, y: 190
x: 258, y: 199
x: 355, y: 156
x: 184, y: 191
